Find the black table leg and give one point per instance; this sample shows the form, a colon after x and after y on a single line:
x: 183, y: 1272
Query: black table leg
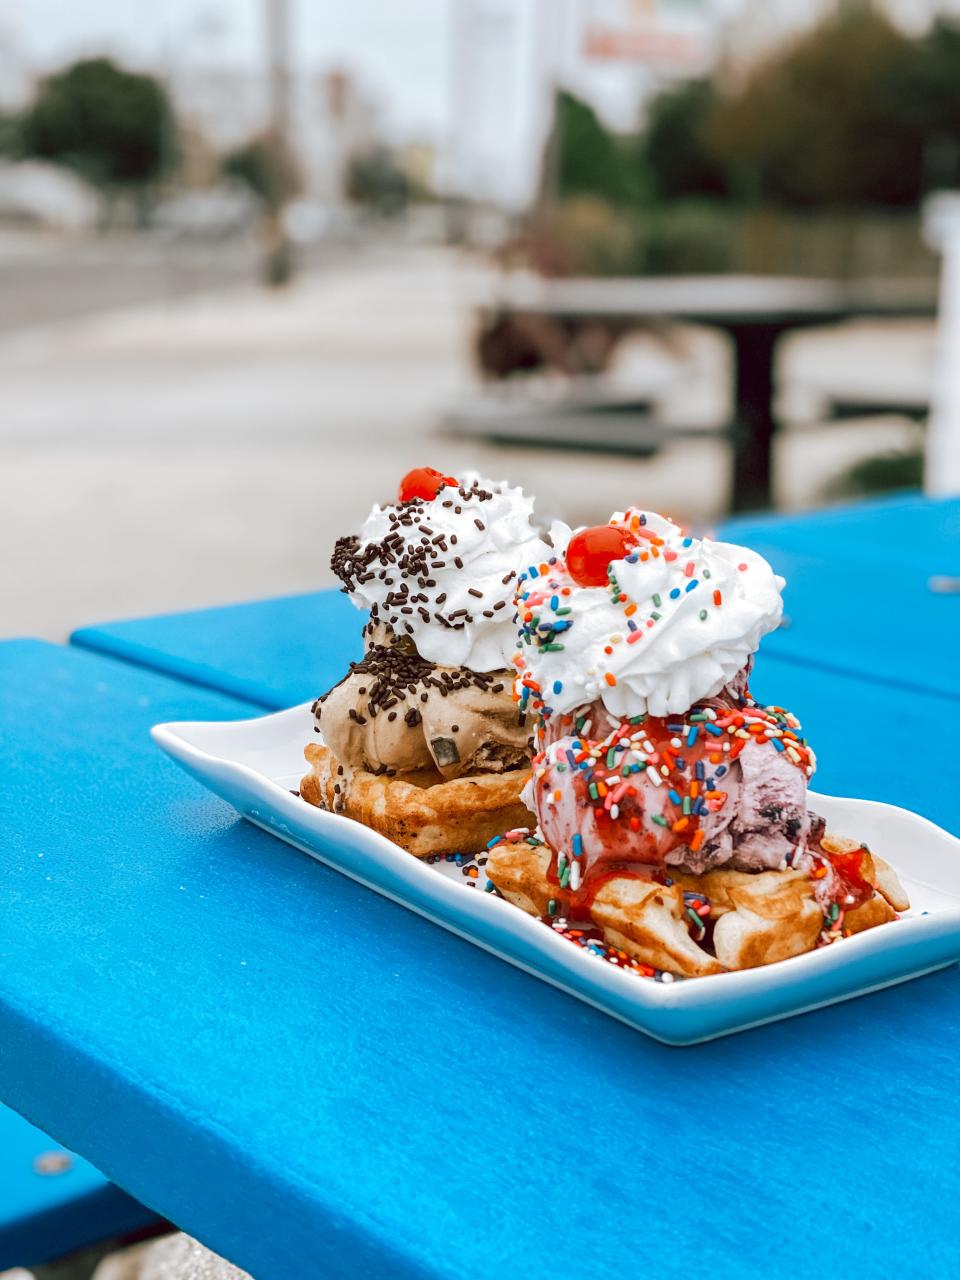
x: 753, y: 422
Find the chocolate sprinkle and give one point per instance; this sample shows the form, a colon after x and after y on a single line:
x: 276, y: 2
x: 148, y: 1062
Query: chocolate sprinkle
x: 410, y: 551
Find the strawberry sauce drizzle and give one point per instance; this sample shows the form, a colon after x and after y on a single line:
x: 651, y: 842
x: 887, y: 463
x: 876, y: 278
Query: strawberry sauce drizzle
x: 638, y: 823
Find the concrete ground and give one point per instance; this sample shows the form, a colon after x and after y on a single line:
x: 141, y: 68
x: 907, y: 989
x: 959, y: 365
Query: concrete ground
x: 206, y: 449
x: 51, y: 275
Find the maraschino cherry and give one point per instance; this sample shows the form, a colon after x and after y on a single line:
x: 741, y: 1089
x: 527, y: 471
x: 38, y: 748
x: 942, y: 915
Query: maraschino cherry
x: 591, y: 550
x: 423, y: 482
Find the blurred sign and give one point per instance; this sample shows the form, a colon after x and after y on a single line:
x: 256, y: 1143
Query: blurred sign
x: 670, y: 35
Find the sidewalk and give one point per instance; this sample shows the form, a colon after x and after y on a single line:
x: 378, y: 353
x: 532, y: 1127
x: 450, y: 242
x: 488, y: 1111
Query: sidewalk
x: 211, y: 448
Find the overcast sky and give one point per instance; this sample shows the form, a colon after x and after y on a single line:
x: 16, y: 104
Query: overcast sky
x: 398, y: 50
x: 397, y: 47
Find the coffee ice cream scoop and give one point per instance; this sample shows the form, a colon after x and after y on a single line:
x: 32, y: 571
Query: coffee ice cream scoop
x: 395, y: 712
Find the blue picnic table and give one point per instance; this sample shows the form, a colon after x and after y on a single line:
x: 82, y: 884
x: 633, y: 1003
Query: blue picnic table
x: 863, y: 597
x: 52, y: 1202
x: 316, y: 1082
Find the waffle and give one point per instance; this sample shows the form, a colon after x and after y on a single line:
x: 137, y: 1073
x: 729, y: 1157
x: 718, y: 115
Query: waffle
x: 758, y: 917
x: 419, y: 811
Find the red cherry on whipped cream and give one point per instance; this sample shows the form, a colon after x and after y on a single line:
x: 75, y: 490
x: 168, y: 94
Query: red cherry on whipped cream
x: 591, y: 550
x: 423, y: 482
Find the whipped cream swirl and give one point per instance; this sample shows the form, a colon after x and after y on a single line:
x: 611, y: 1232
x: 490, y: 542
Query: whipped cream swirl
x: 443, y: 572
x: 678, y: 620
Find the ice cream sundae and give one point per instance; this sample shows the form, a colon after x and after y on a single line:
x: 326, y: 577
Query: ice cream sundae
x: 671, y: 807
x: 422, y: 739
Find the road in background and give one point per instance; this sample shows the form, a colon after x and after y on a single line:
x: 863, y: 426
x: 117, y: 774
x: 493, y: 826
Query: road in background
x: 47, y: 278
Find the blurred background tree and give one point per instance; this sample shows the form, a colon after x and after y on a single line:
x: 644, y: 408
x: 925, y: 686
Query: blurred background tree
x: 937, y: 86
x: 675, y: 148
x: 114, y: 127
x: 375, y: 180
x: 584, y: 158
x: 831, y: 120
x: 9, y: 134
x: 815, y: 159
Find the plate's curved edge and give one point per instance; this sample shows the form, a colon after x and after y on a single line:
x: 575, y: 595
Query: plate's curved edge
x: 169, y: 730
x: 629, y: 998
x: 884, y: 806
x: 438, y: 888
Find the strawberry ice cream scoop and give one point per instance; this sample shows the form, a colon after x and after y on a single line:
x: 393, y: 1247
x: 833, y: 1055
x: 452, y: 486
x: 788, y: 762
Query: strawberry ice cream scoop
x: 723, y: 785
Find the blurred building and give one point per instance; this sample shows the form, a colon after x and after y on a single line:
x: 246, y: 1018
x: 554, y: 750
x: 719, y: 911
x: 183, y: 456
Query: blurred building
x: 16, y: 76
x: 333, y: 120
x: 228, y: 105
x: 331, y: 117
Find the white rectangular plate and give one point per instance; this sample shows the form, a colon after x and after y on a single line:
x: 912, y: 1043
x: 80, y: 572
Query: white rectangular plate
x: 256, y: 764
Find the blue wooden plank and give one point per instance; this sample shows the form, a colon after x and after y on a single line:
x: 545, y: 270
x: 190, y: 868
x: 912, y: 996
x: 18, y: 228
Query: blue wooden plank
x: 896, y: 524
x: 858, y: 596
x: 273, y: 653
x: 317, y: 1082
x: 871, y: 741
x: 866, y: 618
x: 52, y: 1202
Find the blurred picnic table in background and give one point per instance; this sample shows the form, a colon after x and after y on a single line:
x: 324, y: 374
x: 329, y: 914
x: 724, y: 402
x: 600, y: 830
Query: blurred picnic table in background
x: 573, y: 325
